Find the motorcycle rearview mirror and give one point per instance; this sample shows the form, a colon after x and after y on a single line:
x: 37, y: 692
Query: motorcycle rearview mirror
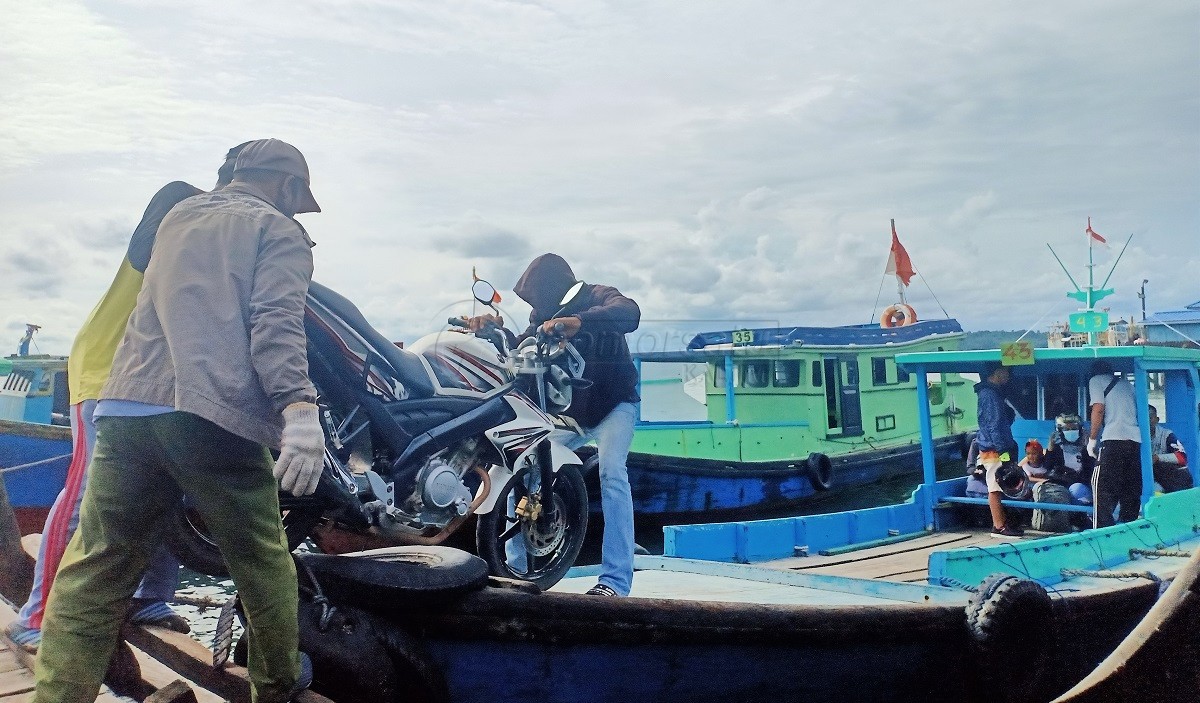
x: 485, y: 293
x: 570, y: 296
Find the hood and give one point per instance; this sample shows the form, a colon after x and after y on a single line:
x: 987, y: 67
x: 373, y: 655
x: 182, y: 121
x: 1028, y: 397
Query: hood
x: 545, y: 281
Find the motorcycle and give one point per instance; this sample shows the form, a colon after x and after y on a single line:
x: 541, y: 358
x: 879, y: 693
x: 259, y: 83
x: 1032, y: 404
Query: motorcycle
x: 417, y: 441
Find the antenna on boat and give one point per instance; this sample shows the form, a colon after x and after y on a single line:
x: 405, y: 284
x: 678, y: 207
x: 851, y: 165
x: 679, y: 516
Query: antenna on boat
x: 23, y: 344
x: 1088, y: 319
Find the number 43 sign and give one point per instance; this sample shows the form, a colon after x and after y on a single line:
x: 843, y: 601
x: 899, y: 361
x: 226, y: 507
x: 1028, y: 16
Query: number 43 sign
x: 1016, y: 354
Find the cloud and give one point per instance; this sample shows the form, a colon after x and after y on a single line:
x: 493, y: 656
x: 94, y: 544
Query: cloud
x: 717, y: 161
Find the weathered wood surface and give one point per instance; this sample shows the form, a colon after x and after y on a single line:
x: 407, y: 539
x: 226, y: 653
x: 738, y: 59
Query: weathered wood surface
x: 35, y: 429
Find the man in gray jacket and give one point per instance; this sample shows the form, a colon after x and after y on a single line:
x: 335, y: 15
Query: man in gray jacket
x: 212, y: 372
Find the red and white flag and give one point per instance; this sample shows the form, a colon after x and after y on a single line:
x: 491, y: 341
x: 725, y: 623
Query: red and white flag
x: 1093, y: 237
x: 898, y: 262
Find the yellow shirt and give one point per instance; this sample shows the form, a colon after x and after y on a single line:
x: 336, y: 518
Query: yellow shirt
x: 92, y: 353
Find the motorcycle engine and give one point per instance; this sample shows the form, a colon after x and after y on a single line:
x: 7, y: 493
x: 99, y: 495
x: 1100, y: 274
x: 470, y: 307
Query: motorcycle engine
x: 440, y: 495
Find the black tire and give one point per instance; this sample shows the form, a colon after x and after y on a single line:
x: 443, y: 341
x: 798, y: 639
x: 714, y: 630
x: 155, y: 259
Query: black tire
x: 1011, y: 624
x: 820, y: 471
x: 559, y: 531
x: 379, y: 579
x: 188, y: 539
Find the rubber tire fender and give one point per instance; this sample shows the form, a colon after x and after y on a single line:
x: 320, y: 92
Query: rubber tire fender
x: 1011, y: 619
x: 820, y: 471
x: 379, y: 579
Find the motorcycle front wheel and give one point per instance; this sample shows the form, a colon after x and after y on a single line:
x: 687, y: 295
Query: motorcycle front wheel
x: 188, y: 538
x: 540, y: 550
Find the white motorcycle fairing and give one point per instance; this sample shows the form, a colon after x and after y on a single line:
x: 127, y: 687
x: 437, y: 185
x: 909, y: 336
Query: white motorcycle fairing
x: 517, y: 442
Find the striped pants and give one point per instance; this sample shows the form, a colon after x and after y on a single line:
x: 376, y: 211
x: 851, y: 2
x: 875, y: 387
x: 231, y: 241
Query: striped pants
x: 161, y: 577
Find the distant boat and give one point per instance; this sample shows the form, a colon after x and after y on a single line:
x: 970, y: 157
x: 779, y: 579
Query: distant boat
x: 776, y: 416
x: 35, y: 439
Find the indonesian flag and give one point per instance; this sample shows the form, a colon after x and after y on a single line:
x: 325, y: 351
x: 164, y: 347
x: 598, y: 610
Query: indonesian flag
x: 1092, y: 236
x: 898, y: 262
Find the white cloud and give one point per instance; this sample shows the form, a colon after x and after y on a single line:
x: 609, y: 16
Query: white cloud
x: 715, y: 161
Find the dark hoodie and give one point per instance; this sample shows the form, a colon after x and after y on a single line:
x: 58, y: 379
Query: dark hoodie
x: 607, y: 316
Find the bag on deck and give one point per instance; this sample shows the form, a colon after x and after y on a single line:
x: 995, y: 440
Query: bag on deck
x: 1051, y: 520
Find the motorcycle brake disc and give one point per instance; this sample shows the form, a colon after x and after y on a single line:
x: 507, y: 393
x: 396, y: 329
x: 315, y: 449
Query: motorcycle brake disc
x: 540, y: 542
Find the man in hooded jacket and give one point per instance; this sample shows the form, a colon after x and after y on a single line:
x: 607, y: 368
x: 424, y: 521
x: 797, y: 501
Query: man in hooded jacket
x: 596, y: 322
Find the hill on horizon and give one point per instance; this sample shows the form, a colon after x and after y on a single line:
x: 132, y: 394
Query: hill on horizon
x: 992, y: 339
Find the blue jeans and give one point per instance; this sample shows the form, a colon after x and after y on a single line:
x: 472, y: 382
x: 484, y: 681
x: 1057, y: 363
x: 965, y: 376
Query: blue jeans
x: 613, y: 436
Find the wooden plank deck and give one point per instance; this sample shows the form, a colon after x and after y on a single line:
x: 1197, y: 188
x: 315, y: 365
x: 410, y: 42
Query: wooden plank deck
x: 903, y: 561
x: 163, y: 657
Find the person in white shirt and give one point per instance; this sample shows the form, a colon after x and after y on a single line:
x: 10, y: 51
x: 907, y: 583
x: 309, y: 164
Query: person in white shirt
x: 1117, y: 481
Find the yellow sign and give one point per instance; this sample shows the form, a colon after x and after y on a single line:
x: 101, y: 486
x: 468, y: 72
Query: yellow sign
x: 743, y: 336
x: 1016, y: 354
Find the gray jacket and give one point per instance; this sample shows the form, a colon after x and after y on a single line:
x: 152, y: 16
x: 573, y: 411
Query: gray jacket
x: 218, y: 330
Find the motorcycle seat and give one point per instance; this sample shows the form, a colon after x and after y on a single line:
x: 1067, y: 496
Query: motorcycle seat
x: 409, y: 367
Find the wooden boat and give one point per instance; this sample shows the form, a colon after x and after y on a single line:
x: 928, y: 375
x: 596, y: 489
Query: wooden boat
x: 788, y: 413
x: 35, y: 441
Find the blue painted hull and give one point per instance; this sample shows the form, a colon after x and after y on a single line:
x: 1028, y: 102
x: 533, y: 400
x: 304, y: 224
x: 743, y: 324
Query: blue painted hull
x: 674, y: 489
x: 32, y: 491
x: 504, y: 644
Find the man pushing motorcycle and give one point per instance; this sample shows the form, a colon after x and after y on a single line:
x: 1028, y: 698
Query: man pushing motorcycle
x: 596, y: 322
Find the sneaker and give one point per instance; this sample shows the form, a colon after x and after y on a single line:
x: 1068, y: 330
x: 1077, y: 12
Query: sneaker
x: 1008, y: 531
x: 602, y: 590
x: 306, y: 675
x: 27, y: 638
x: 143, y: 611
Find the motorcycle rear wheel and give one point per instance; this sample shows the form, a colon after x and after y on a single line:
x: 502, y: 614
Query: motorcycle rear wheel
x: 189, y: 540
x: 558, y: 534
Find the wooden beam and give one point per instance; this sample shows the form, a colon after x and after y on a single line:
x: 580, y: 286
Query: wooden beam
x: 175, y: 692
x: 193, y: 661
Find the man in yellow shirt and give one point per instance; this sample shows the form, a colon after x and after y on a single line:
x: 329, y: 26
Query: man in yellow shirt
x: 87, y: 370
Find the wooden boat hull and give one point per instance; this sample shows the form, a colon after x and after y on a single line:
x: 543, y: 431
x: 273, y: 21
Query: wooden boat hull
x: 1160, y: 659
x: 32, y: 491
x: 678, y: 489
x: 510, y: 644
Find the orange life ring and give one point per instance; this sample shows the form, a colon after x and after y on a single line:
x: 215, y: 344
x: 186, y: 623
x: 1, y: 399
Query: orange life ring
x: 898, y: 315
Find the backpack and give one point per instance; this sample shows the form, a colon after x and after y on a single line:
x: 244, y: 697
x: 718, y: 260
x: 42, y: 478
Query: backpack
x: 1051, y: 520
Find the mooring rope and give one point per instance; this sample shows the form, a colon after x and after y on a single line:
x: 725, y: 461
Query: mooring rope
x: 32, y: 464
x: 951, y: 582
x: 1067, y: 573
x: 1159, y: 553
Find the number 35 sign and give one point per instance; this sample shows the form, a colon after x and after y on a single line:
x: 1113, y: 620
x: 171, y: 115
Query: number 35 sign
x: 1016, y: 354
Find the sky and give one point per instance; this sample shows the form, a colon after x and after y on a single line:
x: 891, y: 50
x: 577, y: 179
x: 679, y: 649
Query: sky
x: 725, y: 164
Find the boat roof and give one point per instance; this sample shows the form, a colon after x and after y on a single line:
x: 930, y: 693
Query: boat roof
x: 1152, y: 357
x: 709, y: 344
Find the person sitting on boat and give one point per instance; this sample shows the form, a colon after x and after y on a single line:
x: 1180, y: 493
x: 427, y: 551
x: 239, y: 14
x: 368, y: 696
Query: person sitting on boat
x: 996, y: 444
x: 88, y: 367
x: 1067, y: 460
x: 599, y: 319
x: 1170, y: 461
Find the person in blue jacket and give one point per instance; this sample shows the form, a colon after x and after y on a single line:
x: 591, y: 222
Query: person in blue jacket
x: 997, y: 448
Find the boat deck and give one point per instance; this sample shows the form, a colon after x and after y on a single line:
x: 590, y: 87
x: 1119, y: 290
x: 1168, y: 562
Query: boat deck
x: 892, y: 572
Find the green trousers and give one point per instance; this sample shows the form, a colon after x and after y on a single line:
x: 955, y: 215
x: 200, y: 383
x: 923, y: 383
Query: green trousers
x: 141, y: 468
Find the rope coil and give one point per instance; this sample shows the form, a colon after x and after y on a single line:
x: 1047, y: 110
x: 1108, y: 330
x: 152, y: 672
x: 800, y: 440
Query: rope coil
x: 1067, y: 573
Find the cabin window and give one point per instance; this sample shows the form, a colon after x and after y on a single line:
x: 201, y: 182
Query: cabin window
x: 936, y: 387
x: 719, y: 375
x: 787, y: 374
x: 757, y: 373
x: 1021, y: 393
x: 1062, y: 394
x: 851, y: 373
x: 817, y: 376
x: 883, y: 423
x: 879, y: 371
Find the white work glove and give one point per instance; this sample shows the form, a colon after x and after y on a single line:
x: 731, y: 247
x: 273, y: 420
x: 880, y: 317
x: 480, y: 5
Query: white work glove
x: 1091, y: 448
x: 303, y: 450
